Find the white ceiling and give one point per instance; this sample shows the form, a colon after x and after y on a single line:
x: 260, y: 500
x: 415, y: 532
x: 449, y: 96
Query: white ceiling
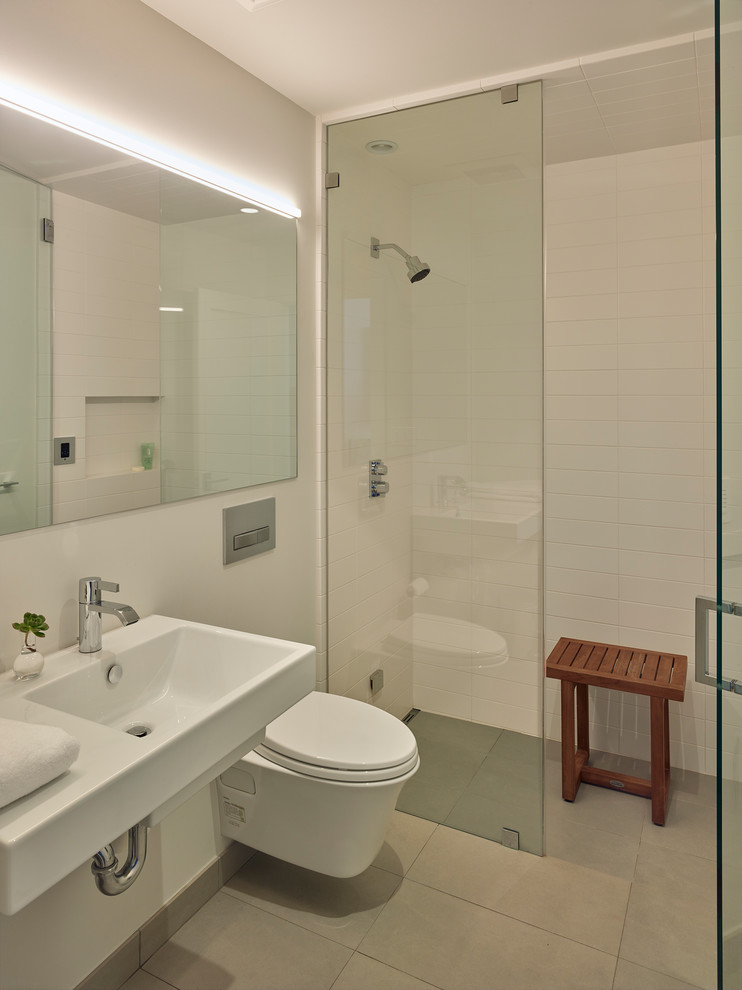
x: 327, y: 55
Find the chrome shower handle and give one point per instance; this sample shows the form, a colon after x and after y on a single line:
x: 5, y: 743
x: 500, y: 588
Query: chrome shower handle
x: 377, y: 469
x: 705, y: 605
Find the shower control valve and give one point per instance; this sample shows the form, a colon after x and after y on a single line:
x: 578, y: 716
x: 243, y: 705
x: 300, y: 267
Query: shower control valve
x: 376, y: 470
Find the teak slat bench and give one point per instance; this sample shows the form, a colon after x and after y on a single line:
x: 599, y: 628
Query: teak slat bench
x: 578, y: 663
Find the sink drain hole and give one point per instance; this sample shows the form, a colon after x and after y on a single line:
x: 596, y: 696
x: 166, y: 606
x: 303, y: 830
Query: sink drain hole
x: 140, y: 730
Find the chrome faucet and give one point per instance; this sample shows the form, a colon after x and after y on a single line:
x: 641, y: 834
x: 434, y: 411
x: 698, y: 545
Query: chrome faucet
x: 90, y: 608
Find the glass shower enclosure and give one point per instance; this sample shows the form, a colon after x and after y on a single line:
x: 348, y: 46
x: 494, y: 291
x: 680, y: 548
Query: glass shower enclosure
x: 729, y: 467
x: 435, y: 452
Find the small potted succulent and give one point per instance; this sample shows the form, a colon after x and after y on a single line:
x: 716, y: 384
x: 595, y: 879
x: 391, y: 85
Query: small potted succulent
x: 29, y: 662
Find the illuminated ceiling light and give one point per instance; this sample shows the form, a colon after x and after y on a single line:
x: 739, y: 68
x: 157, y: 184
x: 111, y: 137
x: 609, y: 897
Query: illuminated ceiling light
x: 171, y: 309
x: 249, y: 209
x: 129, y: 144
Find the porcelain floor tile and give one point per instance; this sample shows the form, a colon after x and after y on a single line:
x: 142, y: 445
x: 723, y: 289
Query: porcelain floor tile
x: 671, y: 918
x: 509, y: 805
x: 629, y: 976
x: 689, y: 827
x: 342, y: 909
x: 456, y: 945
x: 142, y: 980
x: 363, y: 973
x: 229, y: 943
x: 405, y: 837
x: 468, y: 866
x: 598, y: 807
x: 570, y: 900
x: 594, y: 848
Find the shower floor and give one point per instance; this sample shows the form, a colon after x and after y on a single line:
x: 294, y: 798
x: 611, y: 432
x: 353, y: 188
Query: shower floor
x: 476, y: 778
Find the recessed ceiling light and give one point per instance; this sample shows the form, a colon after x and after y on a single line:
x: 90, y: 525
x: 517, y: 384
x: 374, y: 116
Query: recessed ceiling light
x: 381, y: 147
x: 249, y: 209
x: 171, y: 309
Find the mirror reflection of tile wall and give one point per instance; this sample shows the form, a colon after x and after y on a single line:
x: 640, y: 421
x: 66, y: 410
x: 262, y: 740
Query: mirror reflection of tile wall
x: 106, y: 357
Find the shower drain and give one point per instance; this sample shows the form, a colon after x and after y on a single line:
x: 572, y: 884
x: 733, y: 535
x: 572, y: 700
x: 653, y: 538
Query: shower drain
x: 139, y: 730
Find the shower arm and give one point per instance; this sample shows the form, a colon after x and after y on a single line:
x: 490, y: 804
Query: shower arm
x: 376, y: 247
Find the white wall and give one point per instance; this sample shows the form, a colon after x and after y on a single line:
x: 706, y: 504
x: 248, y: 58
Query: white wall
x: 630, y: 442
x: 121, y: 61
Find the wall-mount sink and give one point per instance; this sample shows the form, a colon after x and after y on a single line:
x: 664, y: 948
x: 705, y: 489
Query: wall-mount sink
x: 202, y: 696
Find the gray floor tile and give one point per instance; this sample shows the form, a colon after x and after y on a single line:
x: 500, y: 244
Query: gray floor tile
x: 229, y: 943
x: 697, y: 787
x: 594, y: 848
x: 177, y: 911
x: 507, y: 804
x: 119, y: 966
x: 476, y: 778
x: 458, y: 734
x: 671, y: 918
x: 468, y: 866
x: 363, y: 973
x: 518, y: 748
x: 629, y: 976
x: 689, y: 827
x: 404, y: 840
x: 570, y: 900
x: 342, y: 909
x: 429, y: 799
x: 144, y: 981
x: 597, y: 807
x: 456, y: 945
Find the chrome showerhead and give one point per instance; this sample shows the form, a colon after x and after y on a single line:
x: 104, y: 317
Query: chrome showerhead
x: 416, y: 270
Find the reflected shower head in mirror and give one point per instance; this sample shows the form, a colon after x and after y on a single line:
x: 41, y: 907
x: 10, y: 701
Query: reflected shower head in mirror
x: 416, y: 270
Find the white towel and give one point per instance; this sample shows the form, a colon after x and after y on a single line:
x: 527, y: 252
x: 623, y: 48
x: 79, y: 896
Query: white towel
x: 31, y: 755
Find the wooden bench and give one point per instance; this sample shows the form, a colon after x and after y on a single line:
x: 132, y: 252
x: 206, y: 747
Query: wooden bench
x: 578, y: 663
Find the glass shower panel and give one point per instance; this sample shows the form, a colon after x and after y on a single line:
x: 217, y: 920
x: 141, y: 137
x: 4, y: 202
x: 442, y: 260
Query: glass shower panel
x: 25, y: 373
x: 729, y: 328
x: 438, y: 583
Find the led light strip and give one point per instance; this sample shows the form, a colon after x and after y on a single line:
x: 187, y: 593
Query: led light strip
x: 128, y: 144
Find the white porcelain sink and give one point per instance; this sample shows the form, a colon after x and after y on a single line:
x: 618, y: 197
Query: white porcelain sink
x: 197, y: 696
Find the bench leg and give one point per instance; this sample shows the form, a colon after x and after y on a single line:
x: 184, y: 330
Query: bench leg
x: 660, y: 728
x: 573, y: 762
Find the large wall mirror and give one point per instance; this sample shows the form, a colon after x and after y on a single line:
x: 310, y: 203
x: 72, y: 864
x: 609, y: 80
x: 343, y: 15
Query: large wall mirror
x: 150, y: 348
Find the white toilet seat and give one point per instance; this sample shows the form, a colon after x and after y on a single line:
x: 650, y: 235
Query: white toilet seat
x: 334, y: 773
x: 336, y: 738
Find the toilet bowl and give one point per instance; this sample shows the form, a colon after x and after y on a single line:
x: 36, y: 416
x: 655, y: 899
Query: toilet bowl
x: 320, y: 790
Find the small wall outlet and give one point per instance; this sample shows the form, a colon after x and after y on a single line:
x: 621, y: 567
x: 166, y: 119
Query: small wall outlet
x: 511, y: 838
x: 377, y: 681
x: 64, y: 450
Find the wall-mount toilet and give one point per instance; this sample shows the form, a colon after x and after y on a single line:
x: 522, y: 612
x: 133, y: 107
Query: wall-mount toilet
x: 320, y: 790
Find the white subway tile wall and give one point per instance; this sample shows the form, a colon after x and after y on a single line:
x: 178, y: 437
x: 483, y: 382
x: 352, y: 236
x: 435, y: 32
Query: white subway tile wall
x: 106, y: 363
x: 629, y: 501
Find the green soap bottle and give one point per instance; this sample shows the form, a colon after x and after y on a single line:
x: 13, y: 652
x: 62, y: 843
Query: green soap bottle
x: 148, y: 456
